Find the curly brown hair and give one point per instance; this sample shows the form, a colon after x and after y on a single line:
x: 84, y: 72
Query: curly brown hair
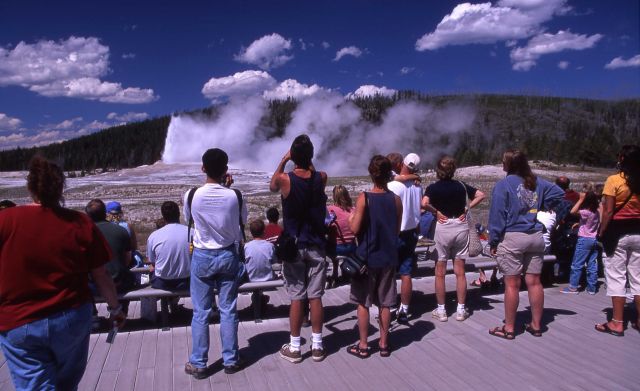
x: 446, y: 167
x: 45, y: 182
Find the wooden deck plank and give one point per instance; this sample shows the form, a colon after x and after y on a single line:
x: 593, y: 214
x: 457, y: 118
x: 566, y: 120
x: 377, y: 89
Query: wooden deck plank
x: 129, y: 369
x: 148, y: 349
x: 95, y: 363
x: 163, y: 370
x: 145, y: 380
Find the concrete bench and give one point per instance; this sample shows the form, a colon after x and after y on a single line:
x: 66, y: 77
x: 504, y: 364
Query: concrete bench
x: 148, y: 297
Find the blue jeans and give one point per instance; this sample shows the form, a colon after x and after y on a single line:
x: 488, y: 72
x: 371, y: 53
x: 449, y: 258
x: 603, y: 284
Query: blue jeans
x: 50, y: 353
x: 586, y: 252
x: 215, y: 269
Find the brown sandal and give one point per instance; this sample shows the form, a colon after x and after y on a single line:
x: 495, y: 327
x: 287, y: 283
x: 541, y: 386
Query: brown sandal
x: 532, y: 331
x: 500, y: 332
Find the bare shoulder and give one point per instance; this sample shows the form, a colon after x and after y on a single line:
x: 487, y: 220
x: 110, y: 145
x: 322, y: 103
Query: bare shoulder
x: 324, y: 177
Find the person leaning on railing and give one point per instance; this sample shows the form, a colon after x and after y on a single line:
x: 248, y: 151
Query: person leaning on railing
x: 46, y: 255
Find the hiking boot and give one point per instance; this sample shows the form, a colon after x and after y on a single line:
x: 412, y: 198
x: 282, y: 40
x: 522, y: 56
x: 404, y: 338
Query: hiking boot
x: 198, y: 373
x: 462, y: 314
x: 441, y: 315
x: 318, y: 354
x: 291, y: 356
x: 402, y: 317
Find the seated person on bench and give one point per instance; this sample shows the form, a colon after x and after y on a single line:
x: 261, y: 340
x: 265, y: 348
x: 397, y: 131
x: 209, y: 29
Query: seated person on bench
x: 168, y: 251
x: 259, y: 255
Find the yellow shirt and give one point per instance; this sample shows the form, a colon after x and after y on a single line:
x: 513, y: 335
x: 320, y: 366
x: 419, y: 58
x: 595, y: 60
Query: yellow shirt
x: 616, y: 186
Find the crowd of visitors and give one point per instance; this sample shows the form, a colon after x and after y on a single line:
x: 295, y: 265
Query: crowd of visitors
x: 78, y: 254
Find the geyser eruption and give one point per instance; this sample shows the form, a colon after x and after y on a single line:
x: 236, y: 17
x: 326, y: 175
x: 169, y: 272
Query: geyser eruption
x: 343, y: 141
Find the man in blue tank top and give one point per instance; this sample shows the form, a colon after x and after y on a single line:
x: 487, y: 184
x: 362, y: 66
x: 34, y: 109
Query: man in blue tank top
x: 303, y: 210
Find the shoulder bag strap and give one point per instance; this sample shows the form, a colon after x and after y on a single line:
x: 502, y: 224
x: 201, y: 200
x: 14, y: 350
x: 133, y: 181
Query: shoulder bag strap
x: 239, y: 196
x: 192, y: 192
x: 618, y: 209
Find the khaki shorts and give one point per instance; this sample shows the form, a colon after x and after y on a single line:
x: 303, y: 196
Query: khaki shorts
x: 305, y: 278
x: 623, y: 265
x: 520, y: 252
x: 452, y: 240
x: 378, y: 287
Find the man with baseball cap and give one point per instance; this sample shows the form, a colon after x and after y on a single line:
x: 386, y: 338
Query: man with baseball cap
x: 411, y: 194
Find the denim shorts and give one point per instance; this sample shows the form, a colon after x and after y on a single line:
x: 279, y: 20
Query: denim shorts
x: 407, y: 241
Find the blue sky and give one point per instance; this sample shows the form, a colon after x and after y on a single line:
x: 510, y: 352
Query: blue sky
x: 78, y: 66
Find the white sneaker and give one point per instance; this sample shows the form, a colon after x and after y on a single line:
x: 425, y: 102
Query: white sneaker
x: 462, y: 314
x: 441, y: 315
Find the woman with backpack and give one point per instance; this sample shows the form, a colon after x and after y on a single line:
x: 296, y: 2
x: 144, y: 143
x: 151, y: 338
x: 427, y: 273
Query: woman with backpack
x: 620, y: 234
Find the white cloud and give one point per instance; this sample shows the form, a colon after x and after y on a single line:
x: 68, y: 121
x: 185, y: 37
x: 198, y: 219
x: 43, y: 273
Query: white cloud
x: 524, y: 58
x: 239, y: 84
x: 619, y: 62
x: 326, y: 44
x: 67, y: 123
x: 563, y: 64
x: 9, y: 123
x: 486, y: 23
x: 267, y: 52
x: 291, y: 88
x: 371, y: 90
x: 407, y: 70
x: 303, y: 45
x: 128, y: 117
x: 70, y: 68
x: 348, y: 51
x: 94, y: 89
x: 128, y: 56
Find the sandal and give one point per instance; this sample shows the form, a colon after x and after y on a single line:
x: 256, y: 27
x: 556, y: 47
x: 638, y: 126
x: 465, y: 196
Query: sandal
x: 356, y: 350
x: 500, y: 332
x: 478, y: 283
x: 384, y: 352
x: 604, y: 328
x: 532, y: 331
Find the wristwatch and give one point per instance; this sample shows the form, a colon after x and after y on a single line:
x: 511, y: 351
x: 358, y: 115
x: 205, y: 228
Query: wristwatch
x: 115, y: 311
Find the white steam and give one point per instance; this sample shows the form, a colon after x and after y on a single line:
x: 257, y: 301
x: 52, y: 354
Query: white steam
x: 343, y: 142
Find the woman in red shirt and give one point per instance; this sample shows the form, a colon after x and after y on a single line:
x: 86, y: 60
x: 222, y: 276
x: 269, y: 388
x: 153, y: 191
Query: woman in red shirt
x: 46, y: 255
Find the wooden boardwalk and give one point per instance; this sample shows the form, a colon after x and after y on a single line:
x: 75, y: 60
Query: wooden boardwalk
x: 428, y: 355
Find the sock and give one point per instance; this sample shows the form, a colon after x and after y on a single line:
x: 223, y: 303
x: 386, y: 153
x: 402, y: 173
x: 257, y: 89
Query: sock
x: 460, y: 307
x: 441, y: 307
x: 404, y: 308
x: 294, y: 344
x: 316, y: 340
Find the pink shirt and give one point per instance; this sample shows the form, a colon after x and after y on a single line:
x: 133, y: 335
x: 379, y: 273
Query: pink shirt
x: 589, y: 222
x: 342, y: 219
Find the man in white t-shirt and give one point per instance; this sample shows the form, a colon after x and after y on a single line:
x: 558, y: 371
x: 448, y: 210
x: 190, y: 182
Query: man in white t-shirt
x: 217, y: 212
x: 411, y: 195
x: 168, y: 251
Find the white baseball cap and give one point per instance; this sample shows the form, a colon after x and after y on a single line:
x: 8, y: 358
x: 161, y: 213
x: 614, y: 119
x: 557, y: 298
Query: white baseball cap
x: 412, y: 161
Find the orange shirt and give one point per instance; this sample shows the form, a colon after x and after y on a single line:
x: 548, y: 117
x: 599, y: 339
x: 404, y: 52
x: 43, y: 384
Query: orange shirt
x: 616, y: 186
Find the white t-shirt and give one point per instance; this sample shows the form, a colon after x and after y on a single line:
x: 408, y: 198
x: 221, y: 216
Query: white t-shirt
x: 215, y: 216
x: 259, y: 256
x: 168, y: 248
x: 411, y: 195
x: 548, y: 219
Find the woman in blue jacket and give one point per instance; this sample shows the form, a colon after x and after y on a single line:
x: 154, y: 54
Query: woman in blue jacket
x: 515, y: 237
